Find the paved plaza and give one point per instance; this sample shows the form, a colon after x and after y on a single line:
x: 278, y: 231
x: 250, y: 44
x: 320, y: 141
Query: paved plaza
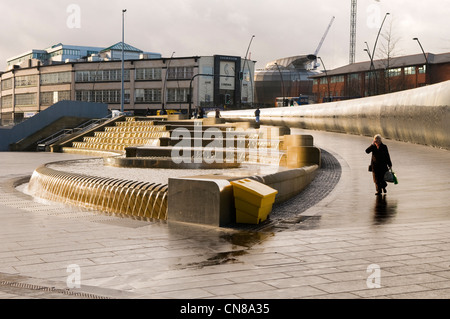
x: 350, y: 244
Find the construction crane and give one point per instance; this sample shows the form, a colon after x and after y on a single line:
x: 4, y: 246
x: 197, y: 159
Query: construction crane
x: 324, y: 36
x: 353, y: 31
x: 321, y: 41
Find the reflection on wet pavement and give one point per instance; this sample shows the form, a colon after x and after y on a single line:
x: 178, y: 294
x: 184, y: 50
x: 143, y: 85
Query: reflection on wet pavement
x: 385, y: 210
x: 245, y: 238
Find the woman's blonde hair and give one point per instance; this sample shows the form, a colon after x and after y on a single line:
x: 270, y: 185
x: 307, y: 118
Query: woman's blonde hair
x: 376, y: 137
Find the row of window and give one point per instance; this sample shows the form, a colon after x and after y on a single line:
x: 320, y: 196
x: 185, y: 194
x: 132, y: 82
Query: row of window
x: 176, y: 95
x: 144, y: 74
x: 102, y: 76
x: 32, y: 80
x: 73, y: 52
x: 30, y: 99
x: 100, y: 96
x: 50, y: 98
x: 390, y: 73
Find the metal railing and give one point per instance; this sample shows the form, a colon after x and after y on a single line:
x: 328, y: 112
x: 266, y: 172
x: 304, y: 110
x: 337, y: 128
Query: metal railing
x: 43, y: 144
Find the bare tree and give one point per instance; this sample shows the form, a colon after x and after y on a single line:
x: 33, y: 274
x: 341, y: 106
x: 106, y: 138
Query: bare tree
x: 389, y: 50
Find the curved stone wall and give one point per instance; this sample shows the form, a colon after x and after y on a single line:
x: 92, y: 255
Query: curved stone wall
x: 419, y: 116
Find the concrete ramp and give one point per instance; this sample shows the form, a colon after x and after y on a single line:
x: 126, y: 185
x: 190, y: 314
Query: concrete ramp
x: 63, y: 109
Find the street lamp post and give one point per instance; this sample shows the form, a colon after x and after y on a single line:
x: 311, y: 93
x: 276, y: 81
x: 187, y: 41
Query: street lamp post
x: 122, y: 98
x: 426, y: 60
x: 371, y: 68
x: 246, y: 62
x: 375, y: 47
x: 328, y: 79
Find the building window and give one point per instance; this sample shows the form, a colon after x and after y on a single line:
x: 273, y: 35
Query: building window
x: 71, y: 52
x: 178, y: 95
x: 394, y: 72
x: 147, y: 96
x: 148, y: 74
x: 410, y: 70
x: 101, y: 76
x: 56, y: 53
x: 50, y: 98
x: 370, y: 75
x: 26, y: 81
x: 102, y: 96
x: 7, y: 101
x: 7, y: 84
x: 337, y: 79
x: 423, y: 69
x: 180, y: 73
x: 28, y: 99
x: 56, y: 78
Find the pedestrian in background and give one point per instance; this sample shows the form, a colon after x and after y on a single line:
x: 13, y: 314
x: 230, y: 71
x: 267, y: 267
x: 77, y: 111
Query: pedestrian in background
x: 380, y: 163
x: 257, y: 115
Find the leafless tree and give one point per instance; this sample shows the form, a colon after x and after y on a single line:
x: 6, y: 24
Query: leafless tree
x: 392, y: 79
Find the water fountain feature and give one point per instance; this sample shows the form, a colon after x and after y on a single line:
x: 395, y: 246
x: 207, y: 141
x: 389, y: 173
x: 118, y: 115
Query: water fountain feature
x: 253, y: 153
x: 125, y: 134
x: 137, y: 199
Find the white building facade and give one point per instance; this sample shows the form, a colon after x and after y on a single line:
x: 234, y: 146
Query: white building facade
x: 149, y: 83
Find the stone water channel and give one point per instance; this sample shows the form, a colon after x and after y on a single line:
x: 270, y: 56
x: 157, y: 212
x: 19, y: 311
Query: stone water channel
x: 132, y: 192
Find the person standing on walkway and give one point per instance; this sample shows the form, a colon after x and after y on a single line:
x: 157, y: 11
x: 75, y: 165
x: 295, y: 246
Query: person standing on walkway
x: 201, y: 113
x: 380, y: 163
x: 257, y: 115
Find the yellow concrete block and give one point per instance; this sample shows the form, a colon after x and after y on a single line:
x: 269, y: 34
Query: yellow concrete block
x: 253, y: 201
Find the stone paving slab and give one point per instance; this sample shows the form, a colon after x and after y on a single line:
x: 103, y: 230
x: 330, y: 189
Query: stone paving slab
x: 326, y: 255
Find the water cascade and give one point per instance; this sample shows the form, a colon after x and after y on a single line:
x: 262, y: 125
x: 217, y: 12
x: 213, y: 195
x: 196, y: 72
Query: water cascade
x: 124, y: 134
x: 142, y: 200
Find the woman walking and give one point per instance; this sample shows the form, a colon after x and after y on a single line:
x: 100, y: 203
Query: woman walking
x: 380, y: 163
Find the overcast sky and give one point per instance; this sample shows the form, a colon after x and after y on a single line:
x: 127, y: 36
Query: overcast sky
x: 282, y: 28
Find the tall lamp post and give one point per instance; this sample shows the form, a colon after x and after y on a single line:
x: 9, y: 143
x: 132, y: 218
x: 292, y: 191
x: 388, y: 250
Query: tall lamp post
x: 373, y: 51
x: 328, y: 79
x: 122, y: 98
x: 246, y: 62
x: 426, y: 60
x: 371, y: 66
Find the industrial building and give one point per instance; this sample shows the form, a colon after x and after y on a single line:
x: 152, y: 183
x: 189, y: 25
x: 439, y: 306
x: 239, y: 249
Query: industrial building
x: 380, y: 77
x: 61, y: 53
x: 151, y: 82
x: 287, y: 81
x: 285, y: 78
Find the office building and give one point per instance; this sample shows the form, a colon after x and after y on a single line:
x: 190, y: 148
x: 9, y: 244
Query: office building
x: 151, y: 82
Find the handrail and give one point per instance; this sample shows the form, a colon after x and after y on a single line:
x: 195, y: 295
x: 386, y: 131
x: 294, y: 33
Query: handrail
x: 42, y: 144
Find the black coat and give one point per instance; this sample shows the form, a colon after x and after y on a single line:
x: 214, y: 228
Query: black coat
x: 381, y: 159
x: 380, y: 162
